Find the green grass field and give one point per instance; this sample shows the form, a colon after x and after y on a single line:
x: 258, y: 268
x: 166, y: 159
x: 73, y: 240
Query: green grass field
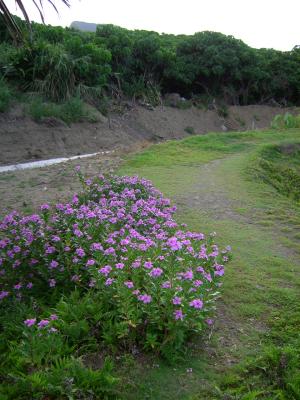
x: 220, y: 183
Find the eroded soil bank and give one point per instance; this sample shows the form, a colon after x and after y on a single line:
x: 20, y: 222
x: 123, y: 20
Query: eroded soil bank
x: 22, y: 139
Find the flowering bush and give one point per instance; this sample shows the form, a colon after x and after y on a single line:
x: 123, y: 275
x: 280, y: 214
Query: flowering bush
x: 154, y: 280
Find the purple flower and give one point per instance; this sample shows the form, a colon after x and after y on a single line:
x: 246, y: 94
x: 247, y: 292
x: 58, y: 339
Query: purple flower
x: 156, y: 272
x: 176, y: 300
x: 209, y: 321
x: 129, y: 284
x: 30, y: 322
x: 105, y: 270
x: 166, y: 285
x: 96, y: 246
x: 120, y: 265
x: 43, y: 323
x: 136, y: 264
x: 178, y: 314
x: 50, y: 249
x: 53, y: 264
x: 53, y: 317
x: 18, y: 286
x: 29, y: 285
x: 3, y: 294
x: 197, y: 283
x: 219, y: 272
x: 52, y: 282
x: 109, y: 251
x: 174, y: 244
x: 197, y: 303
x: 78, y: 233
x: 16, y: 249
x: 148, y: 265
x: 207, y: 276
x: 75, y: 199
x: 90, y: 262
x: 109, y: 281
x: 45, y: 207
x: 188, y: 275
x: 145, y: 298
x: 80, y: 252
x: 92, y: 283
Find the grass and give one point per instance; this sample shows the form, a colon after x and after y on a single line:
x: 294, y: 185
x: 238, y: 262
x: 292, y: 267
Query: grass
x: 254, y: 350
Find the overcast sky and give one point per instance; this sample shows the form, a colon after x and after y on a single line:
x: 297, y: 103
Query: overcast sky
x: 259, y: 23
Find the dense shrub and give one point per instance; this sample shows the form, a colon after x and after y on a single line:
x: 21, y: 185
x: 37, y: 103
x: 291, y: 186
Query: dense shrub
x: 124, y: 62
x: 154, y: 281
x: 57, y: 70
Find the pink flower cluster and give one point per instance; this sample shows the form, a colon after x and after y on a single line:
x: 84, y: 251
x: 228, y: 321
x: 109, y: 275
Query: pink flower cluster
x: 118, y: 236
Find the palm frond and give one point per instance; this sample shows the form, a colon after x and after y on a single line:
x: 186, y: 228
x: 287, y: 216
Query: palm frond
x: 10, y: 22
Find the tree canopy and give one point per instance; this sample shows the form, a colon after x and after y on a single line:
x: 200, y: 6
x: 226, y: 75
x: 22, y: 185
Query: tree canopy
x: 61, y: 62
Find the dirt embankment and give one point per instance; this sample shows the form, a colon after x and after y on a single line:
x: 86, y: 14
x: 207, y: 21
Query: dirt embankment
x: 22, y: 139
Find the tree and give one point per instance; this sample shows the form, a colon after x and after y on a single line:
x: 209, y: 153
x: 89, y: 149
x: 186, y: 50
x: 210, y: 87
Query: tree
x: 11, y: 23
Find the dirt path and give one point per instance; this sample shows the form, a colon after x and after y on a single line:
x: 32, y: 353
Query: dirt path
x: 209, y: 195
x: 217, y: 197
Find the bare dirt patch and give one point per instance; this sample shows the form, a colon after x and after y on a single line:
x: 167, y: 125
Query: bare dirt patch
x: 26, y: 190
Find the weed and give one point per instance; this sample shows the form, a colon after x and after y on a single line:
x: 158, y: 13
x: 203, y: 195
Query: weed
x: 73, y: 110
x: 190, y: 130
x: 241, y: 121
x: 223, y: 111
x: 285, y: 121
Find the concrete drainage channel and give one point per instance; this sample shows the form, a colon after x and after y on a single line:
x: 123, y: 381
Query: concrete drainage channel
x: 45, y: 163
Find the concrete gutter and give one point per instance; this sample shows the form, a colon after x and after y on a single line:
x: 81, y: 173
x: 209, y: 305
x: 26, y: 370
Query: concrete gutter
x: 45, y: 163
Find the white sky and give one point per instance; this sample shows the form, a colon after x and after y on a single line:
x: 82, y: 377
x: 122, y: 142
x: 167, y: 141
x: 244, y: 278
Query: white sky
x: 259, y: 23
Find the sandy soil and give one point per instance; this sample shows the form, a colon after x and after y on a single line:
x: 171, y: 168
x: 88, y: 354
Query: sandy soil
x: 22, y: 139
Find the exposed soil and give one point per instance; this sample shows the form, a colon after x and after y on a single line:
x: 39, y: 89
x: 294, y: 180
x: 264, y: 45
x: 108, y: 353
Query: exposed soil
x: 26, y: 190
x: 22, y: 139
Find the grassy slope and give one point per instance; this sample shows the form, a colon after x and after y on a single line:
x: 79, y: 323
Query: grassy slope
x: 262, y: 283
